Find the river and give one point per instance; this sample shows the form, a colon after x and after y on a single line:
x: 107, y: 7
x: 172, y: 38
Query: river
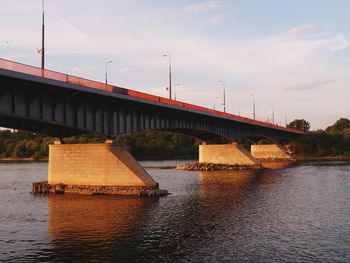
x: 297, y: 214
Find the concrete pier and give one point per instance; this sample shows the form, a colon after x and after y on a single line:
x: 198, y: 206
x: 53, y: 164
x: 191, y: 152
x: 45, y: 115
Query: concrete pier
x: 234, y: 154
x: 105, y: 168
x: 270, y: 152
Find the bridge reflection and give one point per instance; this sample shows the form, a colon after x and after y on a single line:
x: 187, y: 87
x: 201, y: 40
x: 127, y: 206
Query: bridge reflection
x: 204, y: 206
x: 79, y: 224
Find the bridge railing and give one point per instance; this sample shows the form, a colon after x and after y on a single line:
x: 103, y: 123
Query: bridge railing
x: 53, y: 75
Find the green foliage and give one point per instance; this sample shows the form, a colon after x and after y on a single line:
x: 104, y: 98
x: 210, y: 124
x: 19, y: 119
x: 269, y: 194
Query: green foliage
x: 160, y: 145
x: 341, y: 125
x: 334, y: 141
x: 147, y: 145
x: 299, y: 124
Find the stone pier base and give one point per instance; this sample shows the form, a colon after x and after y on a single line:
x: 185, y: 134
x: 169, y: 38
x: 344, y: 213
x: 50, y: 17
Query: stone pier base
x: 105, y: 168
x: 231, y: 154
x: 45, y: 188
x: 270, y: 152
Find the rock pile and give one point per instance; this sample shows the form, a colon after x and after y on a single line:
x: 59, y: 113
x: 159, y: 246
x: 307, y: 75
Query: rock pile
x: 217, y: 167
x: 46, y: 188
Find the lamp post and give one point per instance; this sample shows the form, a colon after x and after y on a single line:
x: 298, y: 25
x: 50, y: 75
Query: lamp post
x: 239, y: 110
x: 285, y: 118
x: 273, y: 114
x: 224, y: 94
x: 167, y: 55
x: 178, y: 84
x: 43, y: 38
x: 251, y: 95
x: 106, y: 63
x: 214, y: 102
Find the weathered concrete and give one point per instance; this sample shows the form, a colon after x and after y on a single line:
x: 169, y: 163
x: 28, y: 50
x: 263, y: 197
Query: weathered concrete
x: 233, y: 153
x: 95, y: 164
x: 270, y: 152
x: 105, y: 168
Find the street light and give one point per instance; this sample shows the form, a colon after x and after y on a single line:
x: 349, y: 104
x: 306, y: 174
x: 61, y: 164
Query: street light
x: 178, y: 84
x: 224, y: 95
x: 273, y: 114
x: 43, y: 39
x: 166, y: 55
x: 239, y: 110
x: 214, y: 102
x: 251, y: 95
x: 107, y: 62
x: 285, y: 118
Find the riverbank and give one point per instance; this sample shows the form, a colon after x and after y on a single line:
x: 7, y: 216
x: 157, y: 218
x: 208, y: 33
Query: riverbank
x: 323, y: 158
x: 22, y: 160
x: 217, y: 167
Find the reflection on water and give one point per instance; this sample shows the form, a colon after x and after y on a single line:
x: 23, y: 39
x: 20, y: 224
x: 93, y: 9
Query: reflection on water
x: 89, y: 222
x: 296, y: 214
x: 278, y: 165
x: 86, y: 215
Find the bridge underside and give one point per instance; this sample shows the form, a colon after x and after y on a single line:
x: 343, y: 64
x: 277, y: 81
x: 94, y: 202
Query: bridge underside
x: 59, y: 109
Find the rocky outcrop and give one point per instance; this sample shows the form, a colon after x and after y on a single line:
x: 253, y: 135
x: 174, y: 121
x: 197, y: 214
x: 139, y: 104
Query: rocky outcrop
x: 46, y: 188
x: 217, y: 167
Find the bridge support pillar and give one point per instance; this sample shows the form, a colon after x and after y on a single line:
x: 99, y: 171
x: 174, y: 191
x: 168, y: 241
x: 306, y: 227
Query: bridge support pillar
x: 270, y: 152
x: 105, y: 168
x: 233, y: 154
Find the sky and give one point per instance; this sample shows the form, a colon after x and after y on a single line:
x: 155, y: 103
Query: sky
x: 292, y: 57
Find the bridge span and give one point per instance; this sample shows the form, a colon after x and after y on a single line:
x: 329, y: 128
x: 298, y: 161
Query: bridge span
x: 61, y: 105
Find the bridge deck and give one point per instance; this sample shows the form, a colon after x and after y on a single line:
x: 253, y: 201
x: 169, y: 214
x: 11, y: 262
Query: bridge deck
x: 53, y: 75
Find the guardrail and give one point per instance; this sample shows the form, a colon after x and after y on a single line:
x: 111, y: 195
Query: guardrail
x: 53, y: 75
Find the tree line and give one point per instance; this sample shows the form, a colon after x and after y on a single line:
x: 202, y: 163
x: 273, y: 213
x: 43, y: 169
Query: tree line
x: 146, y: 145
x: 333, y: 141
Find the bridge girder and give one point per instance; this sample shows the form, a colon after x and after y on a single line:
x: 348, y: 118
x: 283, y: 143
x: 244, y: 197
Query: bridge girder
x: 61, y: 110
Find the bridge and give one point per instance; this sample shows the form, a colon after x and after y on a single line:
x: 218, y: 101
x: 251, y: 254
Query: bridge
x: 61, y: 105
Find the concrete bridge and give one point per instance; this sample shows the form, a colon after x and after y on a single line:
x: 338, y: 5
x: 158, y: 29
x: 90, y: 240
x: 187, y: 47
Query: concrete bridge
x: 61, y: 105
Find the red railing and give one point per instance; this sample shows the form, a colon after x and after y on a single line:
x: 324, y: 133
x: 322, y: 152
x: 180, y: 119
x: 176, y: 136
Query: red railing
x: 49, y: 74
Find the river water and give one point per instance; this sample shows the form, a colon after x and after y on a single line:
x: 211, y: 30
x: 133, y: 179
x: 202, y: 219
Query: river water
x: 297, y: 214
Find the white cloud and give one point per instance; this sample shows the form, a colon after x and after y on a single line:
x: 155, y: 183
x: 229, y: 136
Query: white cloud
x: 309, y: 28
x: 217, y: 19
x: 340, y: 42
x: 316, y: 66
x: 202, y: 7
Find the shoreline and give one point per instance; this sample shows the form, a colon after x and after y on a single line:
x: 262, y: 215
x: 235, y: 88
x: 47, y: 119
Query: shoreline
x: 23, y: 160
x: 324, y: 158
x: 298, y: 159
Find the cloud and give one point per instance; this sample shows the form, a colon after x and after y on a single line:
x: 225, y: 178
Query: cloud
x: 123, y: 71
x: 309, y: 28
x: 311, y: 86
x: 84, y: 69
x: 340, y: 42
x: 202, y: 7
x: 217, y: 19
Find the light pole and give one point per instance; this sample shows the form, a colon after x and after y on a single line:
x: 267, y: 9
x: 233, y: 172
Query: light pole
x: 167, y: 55
x: 224, y: 95
x: 214, y: 102
x: 106, y: 63
x: 273, y: 114
x: 239, y: 110
x: 43, y: 38
x: 251, y: 95
x: 178, y: 84
x: 285, y: 118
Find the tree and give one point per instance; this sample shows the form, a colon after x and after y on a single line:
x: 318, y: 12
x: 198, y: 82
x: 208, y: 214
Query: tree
x: 299, y: 124
x: 339, y: 126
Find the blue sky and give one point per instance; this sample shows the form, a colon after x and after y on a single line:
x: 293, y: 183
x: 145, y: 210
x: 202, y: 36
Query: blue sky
x: 293, y: 56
